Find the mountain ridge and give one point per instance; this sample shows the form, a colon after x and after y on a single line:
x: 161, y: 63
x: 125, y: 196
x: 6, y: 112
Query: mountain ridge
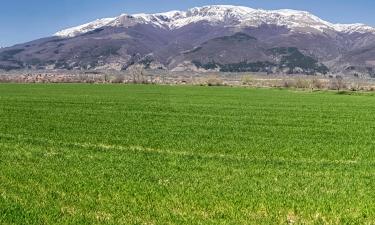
x: 219, y: 13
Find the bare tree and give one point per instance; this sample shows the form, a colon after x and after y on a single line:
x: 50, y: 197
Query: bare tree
x: 137, y: 73
x: 338, y: 83
x: 317, y: 83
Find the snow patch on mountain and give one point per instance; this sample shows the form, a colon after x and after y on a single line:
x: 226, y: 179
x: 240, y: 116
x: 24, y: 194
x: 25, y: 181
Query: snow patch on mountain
x: 226, y: 15
x: 354, y: 28
x: 74, y: 31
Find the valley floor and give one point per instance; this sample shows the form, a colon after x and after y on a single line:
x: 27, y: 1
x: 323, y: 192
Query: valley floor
x: 149, y: 154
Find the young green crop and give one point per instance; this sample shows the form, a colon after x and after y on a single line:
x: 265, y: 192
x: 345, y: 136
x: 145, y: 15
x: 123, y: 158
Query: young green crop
x: 134, y: 154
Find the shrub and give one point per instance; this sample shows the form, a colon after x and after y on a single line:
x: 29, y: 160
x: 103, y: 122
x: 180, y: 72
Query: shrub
x: 288, y: 83
x: 214, y: 81
x: 247, y: 80
x: 302, y: 83
x: 118, y: 79
x: 317, y: 84
x: 355, y: 87
x: 337, y: 83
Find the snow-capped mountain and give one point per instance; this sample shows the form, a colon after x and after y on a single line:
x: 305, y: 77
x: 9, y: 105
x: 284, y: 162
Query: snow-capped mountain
x: 236, y: 16
x: 219, y: 37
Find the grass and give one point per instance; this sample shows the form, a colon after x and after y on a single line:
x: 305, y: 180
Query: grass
x: 114, y: 154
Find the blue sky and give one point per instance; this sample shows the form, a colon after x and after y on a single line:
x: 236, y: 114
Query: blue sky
x: 25, y: 20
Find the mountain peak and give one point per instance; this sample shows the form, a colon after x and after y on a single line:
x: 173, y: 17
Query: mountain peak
x: 222, y: 8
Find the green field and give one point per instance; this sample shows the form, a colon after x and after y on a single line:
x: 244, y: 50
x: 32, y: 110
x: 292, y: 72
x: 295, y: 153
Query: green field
x: 134, y: 154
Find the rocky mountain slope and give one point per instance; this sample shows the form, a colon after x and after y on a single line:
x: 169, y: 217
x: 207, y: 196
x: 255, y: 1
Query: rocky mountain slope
x: 222, y: 38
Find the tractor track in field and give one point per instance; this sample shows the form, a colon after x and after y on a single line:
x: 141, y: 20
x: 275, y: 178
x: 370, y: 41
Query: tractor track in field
x: 110, y: 147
